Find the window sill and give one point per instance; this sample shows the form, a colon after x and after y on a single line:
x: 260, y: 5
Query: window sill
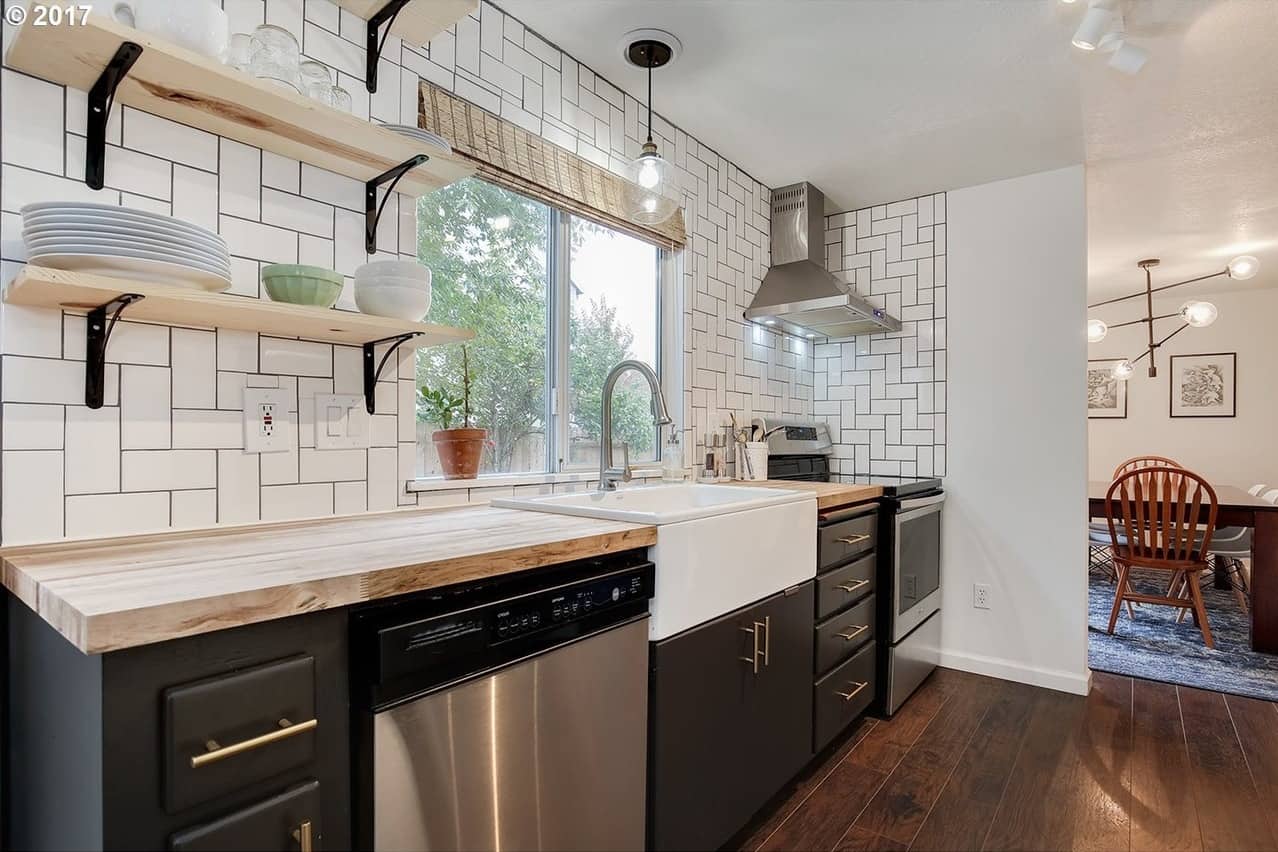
x: 498, y: 480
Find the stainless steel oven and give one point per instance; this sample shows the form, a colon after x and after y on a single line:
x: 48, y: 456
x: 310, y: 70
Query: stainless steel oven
x: 916, y: 555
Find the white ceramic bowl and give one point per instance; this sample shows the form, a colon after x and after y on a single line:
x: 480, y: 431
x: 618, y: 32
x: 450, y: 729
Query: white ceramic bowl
x: 406, y: 303
x: 399, y: 269
x: 387, y: 281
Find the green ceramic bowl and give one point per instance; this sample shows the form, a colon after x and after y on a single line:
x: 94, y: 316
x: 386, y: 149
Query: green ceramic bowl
x: 302, y: 285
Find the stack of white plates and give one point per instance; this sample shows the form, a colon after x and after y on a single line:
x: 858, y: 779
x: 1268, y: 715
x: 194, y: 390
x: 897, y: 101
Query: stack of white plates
x: 425, y: 136
x: 125, y: 243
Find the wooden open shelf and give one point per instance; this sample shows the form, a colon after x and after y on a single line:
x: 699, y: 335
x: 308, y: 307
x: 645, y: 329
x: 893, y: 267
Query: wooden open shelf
x: 419, y: 21
x: 42, y: 287
x: 184, y: 86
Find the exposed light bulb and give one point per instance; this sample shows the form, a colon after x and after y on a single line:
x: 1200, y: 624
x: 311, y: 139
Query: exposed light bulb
x: 1243, y: 267
x: 1093, y: 28
x: 1199, y: 314
x: 500, y: 223
x: 649, y: 175
x: 1096, y: 331
x: 1124, y: 369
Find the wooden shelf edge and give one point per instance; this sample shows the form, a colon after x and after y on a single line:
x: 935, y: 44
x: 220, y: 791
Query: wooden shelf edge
x: 179, y: 84
x: 419, y: 21
x: 58, y: 289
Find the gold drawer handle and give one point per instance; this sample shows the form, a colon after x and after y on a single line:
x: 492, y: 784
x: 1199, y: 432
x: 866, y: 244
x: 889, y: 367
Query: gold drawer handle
x: 302, y: 834
x: 218, y: 752
x: 859, y: 584
x: 848, y: 696
x: 853, y: 539
x: 855, y: 633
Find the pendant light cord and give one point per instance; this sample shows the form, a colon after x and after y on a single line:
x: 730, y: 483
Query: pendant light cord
x: 649, y: 94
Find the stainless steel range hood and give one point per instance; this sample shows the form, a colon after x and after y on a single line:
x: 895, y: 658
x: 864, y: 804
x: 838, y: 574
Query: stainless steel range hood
x: 798, y: 295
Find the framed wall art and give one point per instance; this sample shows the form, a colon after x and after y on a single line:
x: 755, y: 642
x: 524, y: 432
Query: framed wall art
x: 1204, y: 385
x: 1106, y: 395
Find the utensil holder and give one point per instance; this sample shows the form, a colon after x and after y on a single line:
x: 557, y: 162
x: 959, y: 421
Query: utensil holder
x: 757, y: 469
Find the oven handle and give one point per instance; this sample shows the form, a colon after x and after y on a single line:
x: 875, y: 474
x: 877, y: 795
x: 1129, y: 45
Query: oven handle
x: 920, y: 502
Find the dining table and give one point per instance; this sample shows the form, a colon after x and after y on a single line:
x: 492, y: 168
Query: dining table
x: 1236, y: 508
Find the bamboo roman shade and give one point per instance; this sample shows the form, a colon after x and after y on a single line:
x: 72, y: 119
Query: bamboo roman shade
x: 512, y: 157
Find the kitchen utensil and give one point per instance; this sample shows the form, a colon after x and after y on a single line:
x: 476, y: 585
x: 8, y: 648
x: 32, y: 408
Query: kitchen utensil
x: 754, y: 454
x: 316, y: 81
x: 302, y: 285
x: 274, y: 56
x: 406, y: 303
x: 198, y: 25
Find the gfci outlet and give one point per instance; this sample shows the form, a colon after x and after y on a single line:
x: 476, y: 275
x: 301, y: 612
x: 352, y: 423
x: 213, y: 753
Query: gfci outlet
x: 265, y: 412
x: 980, y: 596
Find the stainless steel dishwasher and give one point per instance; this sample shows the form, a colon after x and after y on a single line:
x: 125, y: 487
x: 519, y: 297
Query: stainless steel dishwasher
x: 508, y: 715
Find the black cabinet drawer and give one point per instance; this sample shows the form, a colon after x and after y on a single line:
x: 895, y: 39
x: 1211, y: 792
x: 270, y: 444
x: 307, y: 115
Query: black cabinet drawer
x: 842, y: 540
x: 842, y: 695
x: 283, y: 823
x: 842, y: 586
x: 839, y: 636
x: 225, y: 732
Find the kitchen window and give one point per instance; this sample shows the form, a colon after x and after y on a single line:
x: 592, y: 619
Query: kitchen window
x: 555, y: 301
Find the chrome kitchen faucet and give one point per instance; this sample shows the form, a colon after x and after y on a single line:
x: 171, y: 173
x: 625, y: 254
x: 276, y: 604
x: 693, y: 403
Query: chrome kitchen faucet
x: 609, y: 475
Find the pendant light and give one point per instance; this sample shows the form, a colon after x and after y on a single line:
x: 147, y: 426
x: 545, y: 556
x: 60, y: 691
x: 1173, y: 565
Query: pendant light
x: 647, y: 198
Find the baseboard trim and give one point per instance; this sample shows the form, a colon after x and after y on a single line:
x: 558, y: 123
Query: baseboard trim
x: 1061, y: 681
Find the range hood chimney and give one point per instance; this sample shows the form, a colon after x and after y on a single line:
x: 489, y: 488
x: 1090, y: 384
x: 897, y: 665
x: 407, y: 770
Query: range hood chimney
x: 798, y: 295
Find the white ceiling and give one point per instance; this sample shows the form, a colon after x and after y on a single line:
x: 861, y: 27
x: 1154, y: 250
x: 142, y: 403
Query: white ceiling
x: 875, y: 100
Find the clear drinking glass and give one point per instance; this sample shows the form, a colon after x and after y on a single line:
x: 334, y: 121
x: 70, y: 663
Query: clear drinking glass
x: 274, y: 56
x: 316, y: 80
x: 341, y: 99
x: 239, y: 51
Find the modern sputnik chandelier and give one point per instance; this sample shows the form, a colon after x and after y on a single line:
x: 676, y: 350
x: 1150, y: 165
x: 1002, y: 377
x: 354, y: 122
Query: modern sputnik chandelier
x: 1195, y: 313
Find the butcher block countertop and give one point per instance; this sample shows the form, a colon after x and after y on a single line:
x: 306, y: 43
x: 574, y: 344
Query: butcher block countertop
x: 829, y: 494
x: 109, y: 594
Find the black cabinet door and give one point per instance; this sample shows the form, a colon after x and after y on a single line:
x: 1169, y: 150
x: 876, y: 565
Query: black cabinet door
x: 731, y: 719
x: 282, y: 823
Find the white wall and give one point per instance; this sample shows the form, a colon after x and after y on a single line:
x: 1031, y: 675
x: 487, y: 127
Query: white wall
x: 166, y: 449
x: 1016, y: 512
x: 883, y: 395
x: 1233, y: 451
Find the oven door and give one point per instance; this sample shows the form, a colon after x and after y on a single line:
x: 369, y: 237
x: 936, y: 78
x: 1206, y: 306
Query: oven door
x: 916, y: 554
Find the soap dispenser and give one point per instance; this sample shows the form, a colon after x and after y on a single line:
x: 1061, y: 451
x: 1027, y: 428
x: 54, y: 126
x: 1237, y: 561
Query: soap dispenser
x: 672, y: 459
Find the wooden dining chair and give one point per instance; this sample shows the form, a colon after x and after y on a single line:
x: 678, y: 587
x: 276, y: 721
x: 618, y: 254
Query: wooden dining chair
x: 1157, y: 528
x: 1099, y: 557
x: 1141, y: 462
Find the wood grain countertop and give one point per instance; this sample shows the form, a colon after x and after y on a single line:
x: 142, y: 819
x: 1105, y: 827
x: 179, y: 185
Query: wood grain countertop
x: 108, y: 594
x: 829, y: 494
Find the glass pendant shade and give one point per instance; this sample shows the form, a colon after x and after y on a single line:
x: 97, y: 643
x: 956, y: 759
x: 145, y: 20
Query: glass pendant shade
x: 1243, y: 267
x: 648, y: 175
x: 1096, y: 331
x: 1124, y: 369
x: 1199, y: 314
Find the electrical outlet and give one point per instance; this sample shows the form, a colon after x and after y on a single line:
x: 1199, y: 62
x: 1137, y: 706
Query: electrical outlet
x: 981, y: 596
x: 265, y: 410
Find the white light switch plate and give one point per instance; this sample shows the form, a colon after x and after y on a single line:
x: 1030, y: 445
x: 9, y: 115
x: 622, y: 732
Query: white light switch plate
x: 265, y: 412
x: 341, y: 422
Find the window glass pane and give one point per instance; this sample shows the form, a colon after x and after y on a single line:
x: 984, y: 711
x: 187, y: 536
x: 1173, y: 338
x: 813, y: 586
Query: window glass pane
x: 487, y: 249
x: 613, y: 299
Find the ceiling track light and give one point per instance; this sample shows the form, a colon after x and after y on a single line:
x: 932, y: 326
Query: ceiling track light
x: 1096, y: 23
x: 1195, y: 313
x: 1103, y: 29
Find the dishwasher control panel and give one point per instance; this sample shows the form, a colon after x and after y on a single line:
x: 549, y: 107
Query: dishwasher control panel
x: 571, y: 604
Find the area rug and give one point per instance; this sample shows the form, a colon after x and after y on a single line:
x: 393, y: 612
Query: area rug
x: 1153, y: 646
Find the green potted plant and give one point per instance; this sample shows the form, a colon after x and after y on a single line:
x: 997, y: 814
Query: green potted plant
x: 459, y: 448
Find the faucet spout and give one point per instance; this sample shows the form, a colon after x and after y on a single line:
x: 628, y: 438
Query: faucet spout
x: 610, y: 475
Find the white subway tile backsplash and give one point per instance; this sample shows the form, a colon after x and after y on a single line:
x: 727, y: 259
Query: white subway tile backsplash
x: 194, y: 357
x: 289, y: 502
x: 160, y: 137
x: 31, y: 138
x: 166, y: 470
x: 333, y: 465
x: 350, y: 498
x: 239, y: 181
x: 31, y: 496
x: 92, y: 450
x: 30, y: 331
x: 145, y: 408
x: 99, y: 515
x: 203, y: 429
x: 237, y: 487
x: 194, y: 509
x: 46, y: 380
x: 32, y: 427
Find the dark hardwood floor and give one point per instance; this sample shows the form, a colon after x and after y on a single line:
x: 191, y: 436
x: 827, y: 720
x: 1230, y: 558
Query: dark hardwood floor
x: 973, y: 763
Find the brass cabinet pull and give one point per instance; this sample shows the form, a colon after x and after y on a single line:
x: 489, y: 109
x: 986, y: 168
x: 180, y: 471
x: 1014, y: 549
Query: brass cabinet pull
x: 753, y: 659
x: 848, y: 696
x: 767, y: 637
x: 853, y: 633
x: 859, y: 584
x: 302, y: 834
x: 853, y: 539
x: 218, y: 752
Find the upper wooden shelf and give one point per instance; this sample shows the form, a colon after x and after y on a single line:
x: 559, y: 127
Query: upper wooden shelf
x: 182, y: 85
x: 419, y: 21
x: 42, y: 287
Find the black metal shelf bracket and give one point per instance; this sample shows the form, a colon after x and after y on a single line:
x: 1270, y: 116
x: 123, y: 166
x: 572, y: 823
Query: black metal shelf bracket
x: 373, y: 210
x: 373, y: 368
x: 98, y: 330
x: 377, y: 40
x: 100, y: 98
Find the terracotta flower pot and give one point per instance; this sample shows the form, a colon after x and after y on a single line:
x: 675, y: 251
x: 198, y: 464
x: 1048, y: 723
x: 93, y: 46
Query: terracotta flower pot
x: 459, y: 451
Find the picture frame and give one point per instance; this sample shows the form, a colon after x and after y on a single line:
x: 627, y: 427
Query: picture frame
x: 1106, y: 395
x: 1203, y: 385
